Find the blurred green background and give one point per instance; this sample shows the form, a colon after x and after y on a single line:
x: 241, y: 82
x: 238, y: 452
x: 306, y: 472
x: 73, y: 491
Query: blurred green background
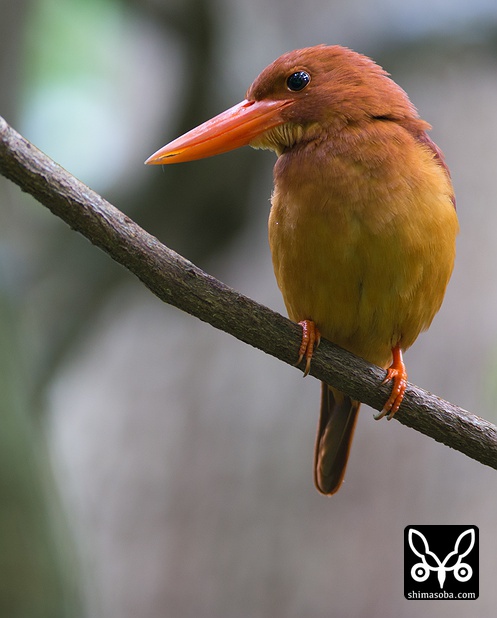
x: 149, y: 465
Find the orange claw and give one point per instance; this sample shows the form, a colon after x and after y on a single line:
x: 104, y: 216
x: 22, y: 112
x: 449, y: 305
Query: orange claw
x: 310, y: 340
x: 396, y: 372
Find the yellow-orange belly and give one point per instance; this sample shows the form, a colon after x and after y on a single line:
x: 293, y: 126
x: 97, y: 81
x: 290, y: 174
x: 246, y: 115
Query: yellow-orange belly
x: 366, y: 257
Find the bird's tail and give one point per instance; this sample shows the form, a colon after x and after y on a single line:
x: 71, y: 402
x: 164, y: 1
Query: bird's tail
x: 335, y: 432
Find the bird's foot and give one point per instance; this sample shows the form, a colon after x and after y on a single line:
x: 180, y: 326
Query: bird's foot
x: 396, y: 372
x: 310, y: 340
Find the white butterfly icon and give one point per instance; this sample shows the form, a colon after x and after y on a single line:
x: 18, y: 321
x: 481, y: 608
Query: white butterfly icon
x: 421, y: 570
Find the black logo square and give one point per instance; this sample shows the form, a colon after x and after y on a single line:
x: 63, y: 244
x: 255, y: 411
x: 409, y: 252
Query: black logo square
x: 441, y: 562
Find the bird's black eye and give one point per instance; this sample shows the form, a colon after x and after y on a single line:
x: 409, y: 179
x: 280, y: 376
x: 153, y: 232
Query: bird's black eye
x: 298, y: 81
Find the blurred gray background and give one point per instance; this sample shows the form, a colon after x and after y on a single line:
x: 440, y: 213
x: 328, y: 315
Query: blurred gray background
x: 150, y: 465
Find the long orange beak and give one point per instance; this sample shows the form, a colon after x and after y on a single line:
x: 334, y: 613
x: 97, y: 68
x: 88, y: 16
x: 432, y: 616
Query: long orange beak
x: 235, y: 127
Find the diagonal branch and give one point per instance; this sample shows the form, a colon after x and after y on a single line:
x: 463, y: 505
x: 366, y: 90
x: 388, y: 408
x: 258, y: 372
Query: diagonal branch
x: 180, y: 283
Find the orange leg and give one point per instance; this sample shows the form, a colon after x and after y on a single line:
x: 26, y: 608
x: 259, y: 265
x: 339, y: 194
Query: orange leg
x: 396, y: 372
x: 310, y: 340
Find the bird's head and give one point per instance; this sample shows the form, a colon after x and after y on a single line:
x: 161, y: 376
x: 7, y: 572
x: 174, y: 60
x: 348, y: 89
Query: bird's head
x: 301, y: 96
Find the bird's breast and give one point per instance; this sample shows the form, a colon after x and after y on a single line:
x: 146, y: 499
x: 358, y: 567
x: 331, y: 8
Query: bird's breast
x: 363, y: 242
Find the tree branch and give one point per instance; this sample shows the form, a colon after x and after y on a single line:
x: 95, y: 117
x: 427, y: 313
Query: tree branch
x: 180, y: 283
